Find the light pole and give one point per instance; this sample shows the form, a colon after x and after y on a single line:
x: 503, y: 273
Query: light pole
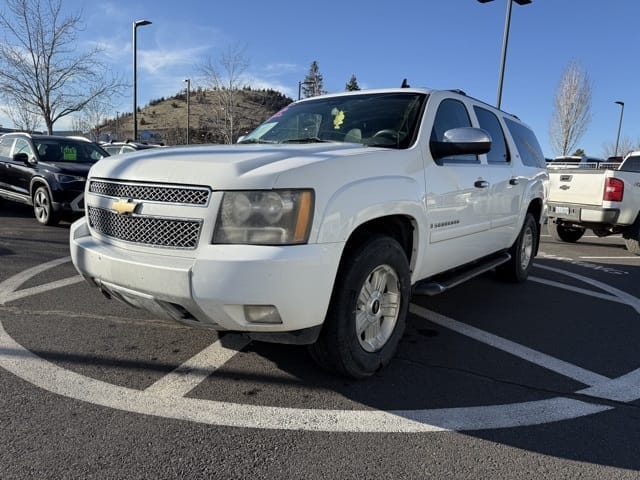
x: 505, y: 41
x: 188, y: 80
x: 619, y: 126
x: 117, y: 125
x: 305, y: 82
x: 136, y: 24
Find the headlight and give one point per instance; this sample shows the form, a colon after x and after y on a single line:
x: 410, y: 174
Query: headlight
x: 62, y: 178
x: 274, y: 217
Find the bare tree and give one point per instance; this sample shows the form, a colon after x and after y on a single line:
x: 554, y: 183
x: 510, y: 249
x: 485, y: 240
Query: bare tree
x: 225, y: 77
x: 93, y: 119
x: 40, y: 66
x: 22, y: 117
x: 624, y: 146
x: 572, y: 109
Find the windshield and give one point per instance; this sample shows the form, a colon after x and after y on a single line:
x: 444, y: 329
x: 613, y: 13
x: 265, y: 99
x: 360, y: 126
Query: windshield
x: 376, y: 119
x: 68, y: 150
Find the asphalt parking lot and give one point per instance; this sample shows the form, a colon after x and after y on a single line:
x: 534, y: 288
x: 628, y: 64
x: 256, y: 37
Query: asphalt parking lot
x: 492, y: 380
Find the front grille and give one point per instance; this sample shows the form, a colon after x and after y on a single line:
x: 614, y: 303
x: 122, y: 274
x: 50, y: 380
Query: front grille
x: 154, y: 193
x: 152, y: 231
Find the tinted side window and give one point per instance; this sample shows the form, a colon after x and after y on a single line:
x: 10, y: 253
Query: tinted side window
x: 5, y: 146
x: 22, y: 146
x: 527, y: 143
x: 451, y: 114
x: 631, y: 164
x: 499, y: 152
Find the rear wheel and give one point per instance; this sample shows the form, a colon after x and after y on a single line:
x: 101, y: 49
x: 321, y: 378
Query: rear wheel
x: 564, y: 233
x: 368, y: 310
x: 43, y: 208
x: 522, y: 253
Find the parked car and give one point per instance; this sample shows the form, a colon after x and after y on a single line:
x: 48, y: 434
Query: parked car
x: 317, y: 225
x: 48, y: 172
x: 116, y: 148
x: 605, y: 199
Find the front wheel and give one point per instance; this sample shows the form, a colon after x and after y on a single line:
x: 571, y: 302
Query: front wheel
x: 43, y: 208
x: 563, y: 233
x: 522, y: 253
x: 368, y: 310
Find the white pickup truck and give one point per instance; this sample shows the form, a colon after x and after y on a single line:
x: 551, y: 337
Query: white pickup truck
x: 316, y: 226
x: 604, y: 197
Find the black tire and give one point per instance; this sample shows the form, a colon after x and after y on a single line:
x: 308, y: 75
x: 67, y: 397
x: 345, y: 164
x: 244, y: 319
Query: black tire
x: 563, y: 233
x: 43, y: 208
x: 522, y: 253
x: 368, y: 310
x: 633, y: 245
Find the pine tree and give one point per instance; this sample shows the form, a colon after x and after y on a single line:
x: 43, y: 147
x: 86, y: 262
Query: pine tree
x: 312, y: 84
x: 352, y: 85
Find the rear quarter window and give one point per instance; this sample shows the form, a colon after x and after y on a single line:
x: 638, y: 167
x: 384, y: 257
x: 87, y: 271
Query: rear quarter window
x: 527, y: 144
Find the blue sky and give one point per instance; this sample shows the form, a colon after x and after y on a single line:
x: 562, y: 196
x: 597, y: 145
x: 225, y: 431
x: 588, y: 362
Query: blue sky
x: 433, y: 43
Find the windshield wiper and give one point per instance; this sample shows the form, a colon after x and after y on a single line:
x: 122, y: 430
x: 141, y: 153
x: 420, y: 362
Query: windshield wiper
x: 305, y: 140
x: 256, y: 140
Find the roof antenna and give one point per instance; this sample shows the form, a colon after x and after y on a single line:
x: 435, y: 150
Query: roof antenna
x: 404, y: 84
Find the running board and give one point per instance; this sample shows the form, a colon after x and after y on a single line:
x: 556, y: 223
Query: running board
x: 442, y: 283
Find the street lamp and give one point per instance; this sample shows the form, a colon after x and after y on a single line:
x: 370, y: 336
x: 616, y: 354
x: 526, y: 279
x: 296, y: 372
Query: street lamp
x: 188, y: 80
x: 306, y: 82
x: 619, y: 126
x: 505, y: 41
x: 136, y: 24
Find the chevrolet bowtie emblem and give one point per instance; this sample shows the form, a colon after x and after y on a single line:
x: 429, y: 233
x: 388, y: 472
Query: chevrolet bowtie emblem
x: 123, y: 206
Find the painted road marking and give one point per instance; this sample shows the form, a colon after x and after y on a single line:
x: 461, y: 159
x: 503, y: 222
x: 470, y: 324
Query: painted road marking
x: 612, y: 258
x: 188, y: 376
x: 513, y: 348
x: 582, y: 291
x: 167, y: 398
x: 8, y: 288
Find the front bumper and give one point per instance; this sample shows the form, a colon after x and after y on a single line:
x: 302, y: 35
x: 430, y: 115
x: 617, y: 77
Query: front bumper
x: 212, y: 288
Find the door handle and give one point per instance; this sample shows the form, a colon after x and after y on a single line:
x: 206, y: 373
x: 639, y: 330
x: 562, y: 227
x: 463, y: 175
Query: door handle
x: 514, y: 181
x: 481, y: 184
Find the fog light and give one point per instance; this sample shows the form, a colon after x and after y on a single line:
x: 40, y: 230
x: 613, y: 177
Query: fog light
x: 262, y: 314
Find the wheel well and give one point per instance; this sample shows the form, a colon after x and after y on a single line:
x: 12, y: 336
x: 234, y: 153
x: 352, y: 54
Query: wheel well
x: 399, y: 227
x: 535, y: 209
x: 38, y: 183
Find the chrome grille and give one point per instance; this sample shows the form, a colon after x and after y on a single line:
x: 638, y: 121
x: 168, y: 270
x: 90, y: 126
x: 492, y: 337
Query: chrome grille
x: 153, y: 231
x: 154, y: 193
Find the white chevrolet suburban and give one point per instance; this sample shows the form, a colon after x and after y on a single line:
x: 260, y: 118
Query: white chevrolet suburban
x: 604, y: 197
x: 317, y: 227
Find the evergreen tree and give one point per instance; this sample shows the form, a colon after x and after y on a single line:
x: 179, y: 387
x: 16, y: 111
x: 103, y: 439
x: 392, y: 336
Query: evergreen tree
x: 312, y: 84
x: 352, y: 85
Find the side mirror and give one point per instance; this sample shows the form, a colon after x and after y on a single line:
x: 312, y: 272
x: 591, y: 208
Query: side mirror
x: 23, y: 157
x: 461, y: 141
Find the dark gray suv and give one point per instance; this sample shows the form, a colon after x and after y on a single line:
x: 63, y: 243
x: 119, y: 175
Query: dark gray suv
x: 48, y: 172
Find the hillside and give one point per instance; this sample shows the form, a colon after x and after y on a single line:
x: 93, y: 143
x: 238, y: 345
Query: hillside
x: 165, y: 120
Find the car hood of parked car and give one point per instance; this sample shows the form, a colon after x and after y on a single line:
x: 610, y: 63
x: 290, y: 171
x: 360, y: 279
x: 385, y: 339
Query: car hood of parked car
x: 227, y: 166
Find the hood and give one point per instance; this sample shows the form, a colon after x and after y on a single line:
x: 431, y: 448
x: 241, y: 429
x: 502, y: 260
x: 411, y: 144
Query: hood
x: 219, y: 166
x: 70, y: 168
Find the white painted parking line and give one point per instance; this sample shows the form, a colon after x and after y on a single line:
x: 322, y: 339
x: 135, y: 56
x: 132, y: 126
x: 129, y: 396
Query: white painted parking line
x: 166, y: 398
x: 537, y: 358
x: 27, y: 292
x: 10, y: 285
x: 621, y: 389
x: 189, y: 375
x: 582, y: 291
x: 612, y: 258
x: 630, y: 300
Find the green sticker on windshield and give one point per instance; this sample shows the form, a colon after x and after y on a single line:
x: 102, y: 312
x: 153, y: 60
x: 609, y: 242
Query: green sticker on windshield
x: 70, y: 153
